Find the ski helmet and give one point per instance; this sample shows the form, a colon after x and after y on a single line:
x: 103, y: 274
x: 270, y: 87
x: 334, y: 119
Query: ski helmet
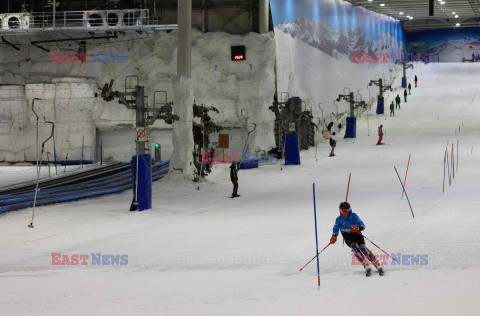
x: 345, y: 206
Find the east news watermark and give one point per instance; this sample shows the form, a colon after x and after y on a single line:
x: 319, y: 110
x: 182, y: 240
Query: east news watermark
x: 59, y: 57
x: 93, y: 259
x: 399, y: 259
x: 210, y: 159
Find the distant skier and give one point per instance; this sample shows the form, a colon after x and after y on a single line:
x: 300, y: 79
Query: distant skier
x: 409, y: 89
x: 380, y: 135
x: 350, y: 225
x: 397, y: 101
x: 333, y: 143
x: 234, y: 177
x: 392, y: 109
x: 416, y: 79
x: 405, y: 95
x: 473, y: 57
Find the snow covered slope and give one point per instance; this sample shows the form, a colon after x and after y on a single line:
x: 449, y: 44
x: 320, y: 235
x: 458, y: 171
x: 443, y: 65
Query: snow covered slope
x: 198, y: 252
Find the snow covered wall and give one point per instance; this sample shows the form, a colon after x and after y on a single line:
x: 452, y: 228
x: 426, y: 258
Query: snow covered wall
x: 325, y: 46
x: 445, y: 45
x: 68, y: 89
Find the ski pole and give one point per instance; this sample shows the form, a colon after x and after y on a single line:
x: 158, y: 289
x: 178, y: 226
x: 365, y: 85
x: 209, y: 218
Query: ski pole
x: 405, y: 181
x: 348, y: 187
x: 377, y: 246
x: 355, y: 230
x: 316, y: 234
x: 403, y: 187
x: 315, y: 256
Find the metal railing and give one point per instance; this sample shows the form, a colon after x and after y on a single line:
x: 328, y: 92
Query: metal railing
x: 95, y: 20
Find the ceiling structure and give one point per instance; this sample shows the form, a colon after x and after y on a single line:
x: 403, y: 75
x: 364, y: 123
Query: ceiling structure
x: 415, y: 17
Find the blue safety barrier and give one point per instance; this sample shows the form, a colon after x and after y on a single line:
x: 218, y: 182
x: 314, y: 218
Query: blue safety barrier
x: 292, y: 150
x: 112, y: 184
x: 143, y: 192
x: 404, y: 82
x: 351, y: 130
x: 249, y: 163
x: 380, y: 105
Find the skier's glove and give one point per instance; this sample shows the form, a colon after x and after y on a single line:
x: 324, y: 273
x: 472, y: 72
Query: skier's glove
x: 354, y: 229
x: 333, y: 239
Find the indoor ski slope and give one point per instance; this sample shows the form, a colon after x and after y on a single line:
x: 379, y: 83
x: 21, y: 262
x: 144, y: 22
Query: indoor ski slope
x: 198, y: 252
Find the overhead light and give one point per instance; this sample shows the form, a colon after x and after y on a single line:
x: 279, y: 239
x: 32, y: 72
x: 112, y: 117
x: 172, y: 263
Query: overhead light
x: 458, y: 24
x: 411, y: 18
x: 370, y: 0
x: 382, y: 4
x: 443, y: 2
x: 453, y: 12
x: 408, y: 16
x: 456, y: 16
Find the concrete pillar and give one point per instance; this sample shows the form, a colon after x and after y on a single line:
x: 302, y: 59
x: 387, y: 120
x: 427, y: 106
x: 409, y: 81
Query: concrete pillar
x: 263, y: 16
x: 184, y: 58
x: 181, y: 161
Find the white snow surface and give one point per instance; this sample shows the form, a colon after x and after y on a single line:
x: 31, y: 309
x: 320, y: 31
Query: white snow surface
x: 198, y: 252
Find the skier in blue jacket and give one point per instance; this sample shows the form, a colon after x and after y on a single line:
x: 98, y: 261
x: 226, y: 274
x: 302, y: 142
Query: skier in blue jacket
x: 350, y: 225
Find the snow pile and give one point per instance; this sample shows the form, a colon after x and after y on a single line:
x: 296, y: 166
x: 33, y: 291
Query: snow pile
x: 216, y: 80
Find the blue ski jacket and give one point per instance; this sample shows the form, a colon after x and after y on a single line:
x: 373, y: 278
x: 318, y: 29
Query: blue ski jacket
x: 343, y: 224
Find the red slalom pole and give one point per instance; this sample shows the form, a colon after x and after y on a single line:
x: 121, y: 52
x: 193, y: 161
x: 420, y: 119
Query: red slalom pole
x: 315, y: 256
x: 405, y: 181
x: 348, y: 187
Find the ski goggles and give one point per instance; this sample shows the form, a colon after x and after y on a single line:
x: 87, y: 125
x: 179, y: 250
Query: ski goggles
x: 344, y: 211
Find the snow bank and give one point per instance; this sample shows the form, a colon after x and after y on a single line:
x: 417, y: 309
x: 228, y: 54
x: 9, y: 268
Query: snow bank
x: 216, y: 80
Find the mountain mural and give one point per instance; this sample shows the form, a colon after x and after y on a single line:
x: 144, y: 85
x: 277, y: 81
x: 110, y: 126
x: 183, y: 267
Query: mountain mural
x: 338, y: 44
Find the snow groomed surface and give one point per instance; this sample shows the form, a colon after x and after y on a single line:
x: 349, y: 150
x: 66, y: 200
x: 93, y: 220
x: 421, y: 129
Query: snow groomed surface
x: 63, y: 192
x: 198, y: 252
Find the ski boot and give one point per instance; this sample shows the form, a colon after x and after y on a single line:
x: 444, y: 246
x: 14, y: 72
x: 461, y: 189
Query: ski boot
x: 368, y: 269
x: 379, y: 269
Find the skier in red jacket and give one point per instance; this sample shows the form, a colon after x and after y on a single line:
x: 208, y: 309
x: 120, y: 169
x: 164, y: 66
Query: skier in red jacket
x: 380, y: 135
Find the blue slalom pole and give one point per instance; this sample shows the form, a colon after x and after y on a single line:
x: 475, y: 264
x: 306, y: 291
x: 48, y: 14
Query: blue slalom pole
x: 316, y: 235
x: 444, y: 161
x: 448, y: 168
x: 404, y: 191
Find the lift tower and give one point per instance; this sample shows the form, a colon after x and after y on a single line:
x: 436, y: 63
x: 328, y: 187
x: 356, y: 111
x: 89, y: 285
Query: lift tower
x: 134, y: 98
x: 380, y: 99
x: 351, y: 130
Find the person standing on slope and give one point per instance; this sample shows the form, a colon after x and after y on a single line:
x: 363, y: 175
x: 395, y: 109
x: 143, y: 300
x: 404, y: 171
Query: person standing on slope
x: 409, y: 89
x: 350, y: 225
x: 405, y: 95
x: 397, y: 101
x: 392, y: 109
x: 234, y: 178
x: 333, y: 143
x: 380, y: 135
x: 416, y: 79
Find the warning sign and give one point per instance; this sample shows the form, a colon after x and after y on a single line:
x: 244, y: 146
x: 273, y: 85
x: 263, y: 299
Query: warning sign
x: 141, y: 133
x: 291, y: 127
